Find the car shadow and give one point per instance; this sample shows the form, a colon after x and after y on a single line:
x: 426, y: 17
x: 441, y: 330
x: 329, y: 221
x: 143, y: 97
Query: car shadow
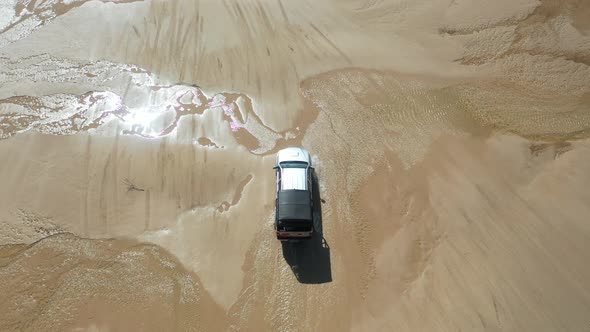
x: 310, y: 259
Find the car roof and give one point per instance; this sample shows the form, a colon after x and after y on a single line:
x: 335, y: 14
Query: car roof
x: 294, y: 178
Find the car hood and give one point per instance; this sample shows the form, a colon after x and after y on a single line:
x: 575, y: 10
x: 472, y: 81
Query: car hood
x: 293, y: 154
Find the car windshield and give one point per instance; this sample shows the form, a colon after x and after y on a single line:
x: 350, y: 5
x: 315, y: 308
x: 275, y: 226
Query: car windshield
x: 294, y: 164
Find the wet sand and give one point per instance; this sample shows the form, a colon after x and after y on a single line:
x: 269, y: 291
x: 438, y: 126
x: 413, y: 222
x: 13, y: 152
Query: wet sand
x: 450, y: 141
x: 63, y: 282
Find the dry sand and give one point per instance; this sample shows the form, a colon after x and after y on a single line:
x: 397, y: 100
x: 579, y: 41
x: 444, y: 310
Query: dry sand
x: 451, y: 141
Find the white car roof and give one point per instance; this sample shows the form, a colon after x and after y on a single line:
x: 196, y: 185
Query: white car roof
x: 294, y: 179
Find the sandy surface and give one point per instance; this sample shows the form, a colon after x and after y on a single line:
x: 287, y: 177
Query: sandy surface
x: 451, y: 141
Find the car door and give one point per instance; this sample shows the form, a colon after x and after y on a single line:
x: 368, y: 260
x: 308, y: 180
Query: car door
x: 310, y: 181
x: 278, y: 179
